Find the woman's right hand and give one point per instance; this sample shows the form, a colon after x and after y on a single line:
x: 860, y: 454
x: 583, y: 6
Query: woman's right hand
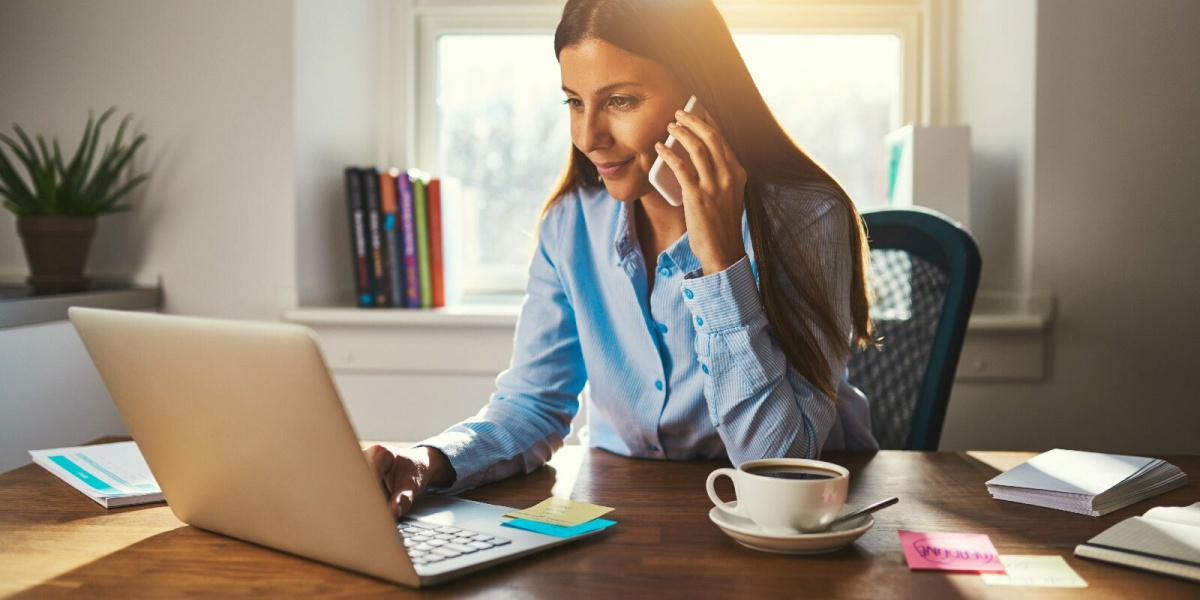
x: 405, y: 473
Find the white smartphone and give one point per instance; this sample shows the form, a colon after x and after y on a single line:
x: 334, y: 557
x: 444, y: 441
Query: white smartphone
x: 661, y: 176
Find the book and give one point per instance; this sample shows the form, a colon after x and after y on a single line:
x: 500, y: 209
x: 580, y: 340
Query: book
x: 436, y: 259
x: 370, y: 181
x: 450, y: 191
x: 408, y: 227
x: 111, y: 474
x: 1165, y: 540
x: 363, y: 272
x: 421, y: 214
x: 1088, y: 483
x: 392, y: 252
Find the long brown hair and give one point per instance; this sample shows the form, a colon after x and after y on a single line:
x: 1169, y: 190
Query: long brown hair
x: 690, y: 39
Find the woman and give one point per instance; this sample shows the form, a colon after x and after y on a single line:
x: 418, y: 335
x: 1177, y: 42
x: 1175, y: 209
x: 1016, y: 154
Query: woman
x: 720, y: 327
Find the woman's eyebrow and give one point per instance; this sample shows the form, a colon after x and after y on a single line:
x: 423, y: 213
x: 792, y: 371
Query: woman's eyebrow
x: 608, y: 88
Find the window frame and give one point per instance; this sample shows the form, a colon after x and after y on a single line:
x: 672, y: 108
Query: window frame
x: 410, y: 28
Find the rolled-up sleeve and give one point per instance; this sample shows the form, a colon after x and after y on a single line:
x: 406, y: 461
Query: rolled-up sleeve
x: 525, y: 421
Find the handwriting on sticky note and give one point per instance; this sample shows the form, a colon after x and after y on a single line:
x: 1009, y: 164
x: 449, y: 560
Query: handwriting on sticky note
x: 1035, y: 571
x: 561, y: 511
x: 950, y: 552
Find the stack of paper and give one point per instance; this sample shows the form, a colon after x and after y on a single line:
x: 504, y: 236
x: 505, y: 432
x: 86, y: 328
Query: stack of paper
x: 111, y: 474
x: 1087, y: 483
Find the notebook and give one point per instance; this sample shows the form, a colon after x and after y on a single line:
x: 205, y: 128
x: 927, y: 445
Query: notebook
x: 1164, y: 540
x: 1087, y: 483
x: 243, y: 429
x: 113, y: 475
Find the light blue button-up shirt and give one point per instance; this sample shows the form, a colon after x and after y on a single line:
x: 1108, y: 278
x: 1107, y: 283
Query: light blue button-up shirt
x: 689, y: 369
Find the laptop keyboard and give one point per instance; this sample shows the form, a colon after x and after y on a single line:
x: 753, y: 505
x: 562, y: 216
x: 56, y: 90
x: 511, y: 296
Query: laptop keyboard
x: 429, y: 543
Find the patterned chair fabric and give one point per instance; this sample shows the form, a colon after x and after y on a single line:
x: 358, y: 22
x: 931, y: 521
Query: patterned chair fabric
x: 924, y: 272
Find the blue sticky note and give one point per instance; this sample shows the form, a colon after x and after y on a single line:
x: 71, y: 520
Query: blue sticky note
x: 558, y: 530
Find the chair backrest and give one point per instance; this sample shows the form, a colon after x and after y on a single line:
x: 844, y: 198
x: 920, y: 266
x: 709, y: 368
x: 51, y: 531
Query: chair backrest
x: 924, y: 273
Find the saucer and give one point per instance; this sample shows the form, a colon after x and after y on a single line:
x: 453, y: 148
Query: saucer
x: 750, y: 535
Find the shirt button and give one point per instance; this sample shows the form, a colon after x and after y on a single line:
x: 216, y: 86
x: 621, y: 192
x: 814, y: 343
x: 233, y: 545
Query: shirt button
x: 664, y: 271
x: 658, y: 385
x: 687, y: 292
x: 662, y: 327
x: 699, y: 321
x: 704, y: 368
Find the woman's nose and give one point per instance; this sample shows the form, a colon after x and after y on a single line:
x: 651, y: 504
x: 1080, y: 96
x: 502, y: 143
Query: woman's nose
x: 591, y: 132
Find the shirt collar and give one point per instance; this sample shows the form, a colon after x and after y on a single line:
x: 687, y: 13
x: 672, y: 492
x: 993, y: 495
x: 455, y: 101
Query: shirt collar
x: 624, y: 234
x: 680, y: 252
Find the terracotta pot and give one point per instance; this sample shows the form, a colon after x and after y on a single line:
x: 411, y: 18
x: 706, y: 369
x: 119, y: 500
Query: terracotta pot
x: 56, y: 249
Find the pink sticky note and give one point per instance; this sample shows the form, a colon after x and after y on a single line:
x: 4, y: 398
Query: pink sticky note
x: 950, y: 552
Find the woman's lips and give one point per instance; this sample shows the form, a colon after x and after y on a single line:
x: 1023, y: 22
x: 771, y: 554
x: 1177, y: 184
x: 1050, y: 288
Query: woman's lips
x: 609, y: 169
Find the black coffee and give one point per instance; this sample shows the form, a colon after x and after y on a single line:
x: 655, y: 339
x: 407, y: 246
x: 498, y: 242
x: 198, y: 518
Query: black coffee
x: 800, y: 473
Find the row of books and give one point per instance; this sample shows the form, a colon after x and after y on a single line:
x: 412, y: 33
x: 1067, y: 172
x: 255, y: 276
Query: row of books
x: 396, y: 237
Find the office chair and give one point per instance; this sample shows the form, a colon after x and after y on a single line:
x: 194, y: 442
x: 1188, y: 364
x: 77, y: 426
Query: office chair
x: 924, y: 273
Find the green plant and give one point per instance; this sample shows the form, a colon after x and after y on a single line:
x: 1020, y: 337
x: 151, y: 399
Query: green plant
x: 78, y: 188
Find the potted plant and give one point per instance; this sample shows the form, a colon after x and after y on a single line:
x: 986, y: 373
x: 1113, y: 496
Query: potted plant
x: 57, y: 201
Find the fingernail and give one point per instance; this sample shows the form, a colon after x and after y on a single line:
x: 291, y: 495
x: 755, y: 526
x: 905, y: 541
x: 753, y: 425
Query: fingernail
x: 679, y: 114
x: 659, y: 146
x: 672, y: 125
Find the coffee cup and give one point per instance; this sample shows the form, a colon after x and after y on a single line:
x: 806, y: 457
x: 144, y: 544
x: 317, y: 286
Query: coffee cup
x: 785, y: 495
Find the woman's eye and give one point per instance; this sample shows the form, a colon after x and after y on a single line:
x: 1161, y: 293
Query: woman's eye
x: 622, y: 102
x: 573, y: 103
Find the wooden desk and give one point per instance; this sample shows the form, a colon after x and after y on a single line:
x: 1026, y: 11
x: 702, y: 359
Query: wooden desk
x: 55, y: 542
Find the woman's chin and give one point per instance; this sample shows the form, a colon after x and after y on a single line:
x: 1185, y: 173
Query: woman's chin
x: 624, y: 192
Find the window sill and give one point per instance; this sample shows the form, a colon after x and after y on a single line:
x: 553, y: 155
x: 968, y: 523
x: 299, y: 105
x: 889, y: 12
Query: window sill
x: 994, y: 312
x: 1005, y: 337
x: 463, y: 315
x: 20, y: 306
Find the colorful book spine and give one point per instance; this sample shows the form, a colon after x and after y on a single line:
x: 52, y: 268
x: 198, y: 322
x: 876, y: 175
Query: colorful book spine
x: 436, y: 256
x: 363, y: 271
x: 408, y: 226
x: 421, y: 211
x: 370, y: 179
x: 394, y: 253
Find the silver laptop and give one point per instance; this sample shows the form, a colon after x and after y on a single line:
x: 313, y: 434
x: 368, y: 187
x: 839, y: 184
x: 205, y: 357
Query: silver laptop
x: 244, y: 431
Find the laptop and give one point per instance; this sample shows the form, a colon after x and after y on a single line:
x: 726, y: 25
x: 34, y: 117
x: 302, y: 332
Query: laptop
x: 244, y: 430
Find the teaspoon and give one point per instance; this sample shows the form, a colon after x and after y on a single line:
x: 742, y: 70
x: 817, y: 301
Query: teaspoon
x: 863, y: 511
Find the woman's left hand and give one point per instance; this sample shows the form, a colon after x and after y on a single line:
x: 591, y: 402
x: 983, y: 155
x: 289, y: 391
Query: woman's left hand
x: 713, y: 191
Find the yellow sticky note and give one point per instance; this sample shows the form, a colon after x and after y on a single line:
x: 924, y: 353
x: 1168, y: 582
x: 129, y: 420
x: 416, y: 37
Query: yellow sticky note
x: 1035, y: 571
x: 561, y: 511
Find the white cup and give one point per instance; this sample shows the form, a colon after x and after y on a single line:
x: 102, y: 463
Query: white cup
x: 785, y: 495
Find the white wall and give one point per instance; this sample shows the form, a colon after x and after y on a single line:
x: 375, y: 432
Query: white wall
x: 1115, y: 142
x: 995, y: 75
x: 210, y: 83
x: 48, y: 410
x: 337, y: 54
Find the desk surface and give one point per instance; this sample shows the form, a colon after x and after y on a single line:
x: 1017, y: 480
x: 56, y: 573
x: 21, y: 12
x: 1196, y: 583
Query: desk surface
x: 56, y: 542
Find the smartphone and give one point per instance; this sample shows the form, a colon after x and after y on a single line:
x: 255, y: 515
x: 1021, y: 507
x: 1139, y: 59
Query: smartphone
x: 661, y: 176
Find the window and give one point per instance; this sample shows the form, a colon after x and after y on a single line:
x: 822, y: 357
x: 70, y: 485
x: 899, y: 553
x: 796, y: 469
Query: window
x: 489, y: 111
x: 502, y: 132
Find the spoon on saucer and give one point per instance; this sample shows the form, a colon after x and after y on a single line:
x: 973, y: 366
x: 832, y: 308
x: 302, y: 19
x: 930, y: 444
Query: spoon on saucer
x: 866, y: 510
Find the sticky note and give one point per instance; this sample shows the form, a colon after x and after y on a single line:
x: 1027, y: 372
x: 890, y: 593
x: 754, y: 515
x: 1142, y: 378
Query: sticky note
x: 1035, y: 571
x: 950, y: 552
x: 557, y: 531
x: 561, y: 511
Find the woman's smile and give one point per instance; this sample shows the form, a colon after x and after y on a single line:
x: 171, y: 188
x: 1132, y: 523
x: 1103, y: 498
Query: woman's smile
x: 609, y: 170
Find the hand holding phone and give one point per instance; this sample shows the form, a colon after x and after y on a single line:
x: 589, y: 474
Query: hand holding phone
x: 661, y: 176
